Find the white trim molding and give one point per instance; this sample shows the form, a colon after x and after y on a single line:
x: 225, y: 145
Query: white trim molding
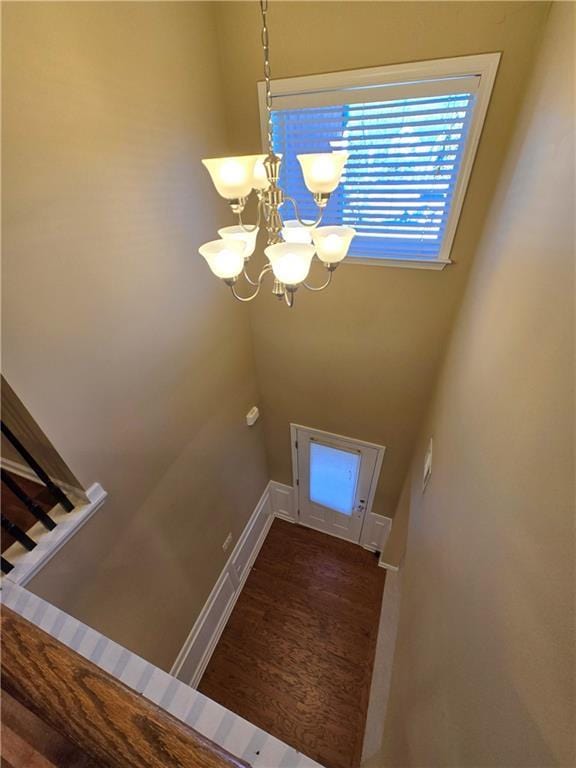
x: 282, y: 501
x: 435, y: 265
x: 473, y: 74
x: 198, y: 647
x: 375, y: 532
x: 28, y: 564
x: 296, y: 488
x: 383, y: 663
x: 376, y: 527
x: 276, y: 501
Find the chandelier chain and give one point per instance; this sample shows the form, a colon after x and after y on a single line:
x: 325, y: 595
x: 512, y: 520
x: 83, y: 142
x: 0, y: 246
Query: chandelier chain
x: 267, y: 70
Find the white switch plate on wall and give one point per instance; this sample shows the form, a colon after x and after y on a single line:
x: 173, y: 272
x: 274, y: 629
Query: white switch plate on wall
x: 427, y: 466
x: 252, y: 416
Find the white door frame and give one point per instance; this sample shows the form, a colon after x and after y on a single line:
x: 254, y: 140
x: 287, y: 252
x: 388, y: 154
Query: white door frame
x: 380, y: 449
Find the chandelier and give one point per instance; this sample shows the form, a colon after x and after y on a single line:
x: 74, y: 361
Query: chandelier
x: 291, y: 245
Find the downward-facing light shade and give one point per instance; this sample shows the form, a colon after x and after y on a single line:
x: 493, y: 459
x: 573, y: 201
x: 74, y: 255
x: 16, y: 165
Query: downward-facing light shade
x: 332, y: 243
x: 225, y: 257
x: 322, y: 171
x: 294, y: 232
x: 237, y: 233
x: 290, y: 261
x: 232, y: 176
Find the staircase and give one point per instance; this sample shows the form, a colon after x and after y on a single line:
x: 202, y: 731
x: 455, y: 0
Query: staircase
x: 26, y: 503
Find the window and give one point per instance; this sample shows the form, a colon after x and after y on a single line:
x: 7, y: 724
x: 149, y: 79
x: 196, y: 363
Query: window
x: 333, y: 477
x: 411, y: 132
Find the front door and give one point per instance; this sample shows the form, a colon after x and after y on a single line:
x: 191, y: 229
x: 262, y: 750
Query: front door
x: 336, y: 479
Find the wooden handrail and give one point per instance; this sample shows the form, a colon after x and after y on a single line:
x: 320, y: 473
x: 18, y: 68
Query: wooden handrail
x: 111, y: 723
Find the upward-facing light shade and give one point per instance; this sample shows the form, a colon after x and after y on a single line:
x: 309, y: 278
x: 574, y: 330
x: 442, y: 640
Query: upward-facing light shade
x: 225, y: 257
x: 260, y: 178
x: 290, y: 261
x: 332, y: 243
x: 232, y: 176
x: 294, y: 232
x: 322, y: 171
x: 236, y: 232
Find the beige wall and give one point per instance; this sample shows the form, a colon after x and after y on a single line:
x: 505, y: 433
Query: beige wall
x: 359, y: 359
x: 484, y: 668
x: 131, y: 357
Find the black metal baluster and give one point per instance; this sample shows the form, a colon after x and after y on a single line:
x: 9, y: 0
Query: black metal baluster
x: 34, y: 508
x: 6, y: 566
x: 57, y: 493
x: 17, y: 533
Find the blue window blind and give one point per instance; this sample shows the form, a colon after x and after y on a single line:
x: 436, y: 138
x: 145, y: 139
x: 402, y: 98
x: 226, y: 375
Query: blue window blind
x: 399, y: 181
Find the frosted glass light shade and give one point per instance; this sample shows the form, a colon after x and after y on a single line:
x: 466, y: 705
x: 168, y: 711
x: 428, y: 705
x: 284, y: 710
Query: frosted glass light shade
x: 237, y: 233
x: 322, y: 172
x: 290, y: 261
x: 225, y: 257
x: 332, y: 243
x: 260, y: 179
x: 294, y: 232
x: 232, y: 176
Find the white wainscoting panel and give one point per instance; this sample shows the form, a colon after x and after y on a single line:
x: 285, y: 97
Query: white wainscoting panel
x: 276, y: 501
x: 375, y: 532
x: 282, y: 500
x: 204, y: 635
x: 200, y: 646
x: 252, y: 539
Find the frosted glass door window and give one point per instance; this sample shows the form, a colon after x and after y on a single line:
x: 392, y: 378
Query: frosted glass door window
x: 333, y: 477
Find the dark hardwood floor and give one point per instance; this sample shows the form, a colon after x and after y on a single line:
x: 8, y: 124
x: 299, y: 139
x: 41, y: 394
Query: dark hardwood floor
x: 296, y: 655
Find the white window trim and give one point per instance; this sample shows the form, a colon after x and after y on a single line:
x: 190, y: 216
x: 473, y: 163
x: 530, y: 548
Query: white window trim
x: 484, y: 66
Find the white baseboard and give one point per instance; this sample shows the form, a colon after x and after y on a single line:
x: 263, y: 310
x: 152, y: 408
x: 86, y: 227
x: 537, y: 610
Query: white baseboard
x: 282, y: 501
x: 198, y: 647
x: 276, y: 501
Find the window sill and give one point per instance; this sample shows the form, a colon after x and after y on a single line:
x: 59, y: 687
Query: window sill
x: 434, y: 264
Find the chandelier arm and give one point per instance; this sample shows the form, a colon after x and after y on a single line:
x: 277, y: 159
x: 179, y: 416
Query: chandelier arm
x: 248, y: 278
x: 258, y: 285
x: 289, y: 298
x: 320, y: 287
x: 247, y: 228
x: 245, y: 298
x: 297, y: 214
